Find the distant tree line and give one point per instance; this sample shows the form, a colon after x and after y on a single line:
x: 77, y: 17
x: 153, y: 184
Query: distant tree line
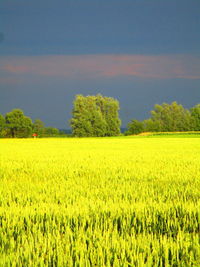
x: 168, y: 118
x: 98, y: 116
x: 16, y: 124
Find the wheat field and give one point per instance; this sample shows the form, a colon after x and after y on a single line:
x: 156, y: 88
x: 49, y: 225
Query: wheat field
x: 102, y: 202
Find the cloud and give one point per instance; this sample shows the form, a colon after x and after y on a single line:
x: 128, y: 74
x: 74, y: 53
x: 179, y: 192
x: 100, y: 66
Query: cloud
x: 110, y: 66
x: 16, y: 68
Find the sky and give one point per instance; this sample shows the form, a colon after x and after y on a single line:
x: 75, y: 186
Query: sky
x: 141, y: 52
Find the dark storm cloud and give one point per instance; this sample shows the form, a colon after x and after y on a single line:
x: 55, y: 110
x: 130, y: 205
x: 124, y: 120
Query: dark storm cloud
x: 1, y: 37
x: 141, y: 52
x: 89, y: 27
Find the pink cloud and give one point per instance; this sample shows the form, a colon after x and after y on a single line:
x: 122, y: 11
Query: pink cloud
x: 87, y: 66
x: 15, y: 68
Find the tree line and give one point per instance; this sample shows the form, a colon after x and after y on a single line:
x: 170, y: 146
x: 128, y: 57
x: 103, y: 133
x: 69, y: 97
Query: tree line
x: 168, y: 118
x: 99, y: 116
x: 16, y: 124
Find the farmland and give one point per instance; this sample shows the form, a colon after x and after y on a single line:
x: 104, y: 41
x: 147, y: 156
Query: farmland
x: 127, y: 201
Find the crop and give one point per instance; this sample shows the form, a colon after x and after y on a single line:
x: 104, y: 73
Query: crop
x: 131, y: 201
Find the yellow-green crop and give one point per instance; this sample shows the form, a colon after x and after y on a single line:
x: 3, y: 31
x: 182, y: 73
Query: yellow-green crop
x: 100, y: 202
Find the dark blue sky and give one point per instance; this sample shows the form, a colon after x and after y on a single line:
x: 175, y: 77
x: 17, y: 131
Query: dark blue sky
x: 141, y: 52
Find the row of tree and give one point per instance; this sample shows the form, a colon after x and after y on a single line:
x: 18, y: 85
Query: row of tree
x: 98, y: 116
x: 91, y: 116
x: 16, y: 124
x: 168, y: 118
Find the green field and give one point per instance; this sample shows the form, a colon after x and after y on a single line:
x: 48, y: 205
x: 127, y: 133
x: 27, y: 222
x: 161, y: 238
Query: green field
x: 127, y: 201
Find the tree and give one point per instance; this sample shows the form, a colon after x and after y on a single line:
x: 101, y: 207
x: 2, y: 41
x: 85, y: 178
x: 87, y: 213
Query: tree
x: 50, y: 131
x: 38, y: 127
x: 17, y: 124
x: 171, y: 117
x: 195, y: 117
x: 95, y: 116
x: 2, y: 124
x: 82, y: 120
x: 110, y: 113
x: 135, y: 127
x: 152, y: 125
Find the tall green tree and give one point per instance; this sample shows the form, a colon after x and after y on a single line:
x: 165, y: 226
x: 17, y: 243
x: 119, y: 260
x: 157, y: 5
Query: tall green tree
x: 111, y: 116
x: 109, y: 108
x: 95, y: 116
x: 171, y: 117
x: 81, y: 121
x: 195, y: 117
x: 2, y: 124
x: 17, y: 124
